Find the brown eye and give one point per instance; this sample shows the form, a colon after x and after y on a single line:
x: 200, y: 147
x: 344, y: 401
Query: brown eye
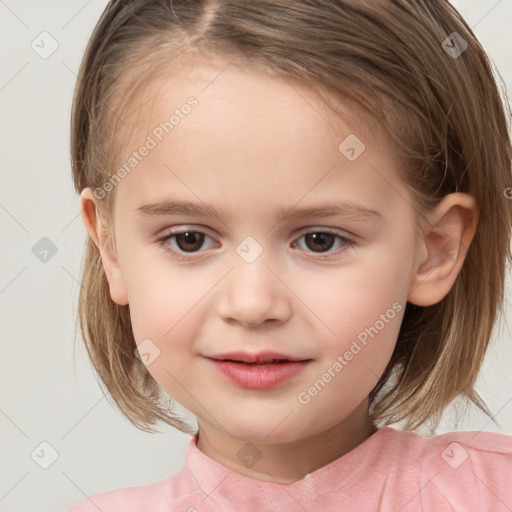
x: 189, y: 241
x: 183, y: 244
x: 319, y: 241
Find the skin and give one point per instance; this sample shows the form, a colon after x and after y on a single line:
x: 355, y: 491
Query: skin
x: 252, y: 145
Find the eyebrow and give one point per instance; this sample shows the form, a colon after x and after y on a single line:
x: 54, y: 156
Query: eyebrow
x: 349, y: 210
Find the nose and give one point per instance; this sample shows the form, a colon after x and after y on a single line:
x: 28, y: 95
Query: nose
x: 254, y: 293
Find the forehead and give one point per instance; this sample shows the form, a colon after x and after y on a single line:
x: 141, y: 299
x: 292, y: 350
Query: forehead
x: 247, y: 136
x: 235, y: 99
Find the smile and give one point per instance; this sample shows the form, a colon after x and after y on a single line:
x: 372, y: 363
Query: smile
x: 262, y: 375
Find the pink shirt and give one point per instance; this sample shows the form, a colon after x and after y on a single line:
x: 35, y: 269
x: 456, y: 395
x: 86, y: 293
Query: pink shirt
x: 392, y: 471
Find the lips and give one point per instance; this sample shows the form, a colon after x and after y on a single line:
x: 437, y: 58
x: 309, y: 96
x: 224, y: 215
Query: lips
x: 264, y: 357
x: 257, y: 363
x: 258, y: 376
x: 259, y: 371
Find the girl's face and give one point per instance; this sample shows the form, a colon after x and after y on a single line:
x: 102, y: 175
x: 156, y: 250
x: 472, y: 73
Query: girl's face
x: 250, y: 156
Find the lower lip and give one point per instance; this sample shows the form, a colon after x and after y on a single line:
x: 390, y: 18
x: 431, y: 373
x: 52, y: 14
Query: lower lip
x: 254, y: 376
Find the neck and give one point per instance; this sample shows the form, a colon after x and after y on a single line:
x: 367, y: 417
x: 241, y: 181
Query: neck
x: 286, y: 462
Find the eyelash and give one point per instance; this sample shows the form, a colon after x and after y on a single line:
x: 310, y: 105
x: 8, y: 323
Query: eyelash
x: 346, y: 243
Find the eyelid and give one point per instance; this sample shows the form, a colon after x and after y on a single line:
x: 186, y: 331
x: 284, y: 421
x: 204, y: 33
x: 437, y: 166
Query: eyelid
x: 347, y: 242
x: 323, y: 229
x: 315, y: 228
x: 181, y: 228
x: 309, y: 229
x: 169, y: 232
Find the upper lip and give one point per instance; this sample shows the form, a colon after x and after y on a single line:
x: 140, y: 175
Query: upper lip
x: 259, y: 357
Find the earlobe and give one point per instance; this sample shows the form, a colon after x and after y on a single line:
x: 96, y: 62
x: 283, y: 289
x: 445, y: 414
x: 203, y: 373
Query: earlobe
x: 98, y: 233
x: 450, y: 229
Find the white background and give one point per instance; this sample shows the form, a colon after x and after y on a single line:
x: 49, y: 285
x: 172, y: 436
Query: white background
x: 48, y: 393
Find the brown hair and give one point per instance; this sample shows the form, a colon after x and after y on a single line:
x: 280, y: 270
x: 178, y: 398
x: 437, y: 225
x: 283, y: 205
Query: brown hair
x: 397, y: 62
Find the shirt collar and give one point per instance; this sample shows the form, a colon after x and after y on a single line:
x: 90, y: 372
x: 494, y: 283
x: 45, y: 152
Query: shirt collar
x: 217, y: 480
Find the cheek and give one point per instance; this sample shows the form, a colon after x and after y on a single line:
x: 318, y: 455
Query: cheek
x: 366, y: 323
x: 167, y: 315
x: 158, y: 300
x: 350, y: 298
x: 162, y: 308
x: 361, y: 314
x: 158, y: 290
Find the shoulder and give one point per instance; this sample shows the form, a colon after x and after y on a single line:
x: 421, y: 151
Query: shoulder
x: 457, y: 470
x: 452, y: 447
x: 155, y: 497
x: 484, y: 451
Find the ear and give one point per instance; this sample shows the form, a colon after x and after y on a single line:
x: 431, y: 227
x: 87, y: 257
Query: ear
x: 99, y: 234
x: 447, y: 235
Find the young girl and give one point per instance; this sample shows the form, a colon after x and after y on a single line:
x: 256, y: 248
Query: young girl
x: 299, y: 219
